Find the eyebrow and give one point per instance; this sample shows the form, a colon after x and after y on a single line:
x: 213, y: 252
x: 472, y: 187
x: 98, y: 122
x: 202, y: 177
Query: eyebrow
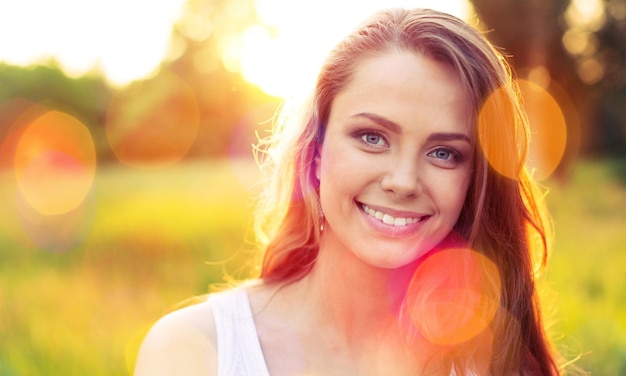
x: 394, y: 127
x: 449, y: 137
x: 383, y: 122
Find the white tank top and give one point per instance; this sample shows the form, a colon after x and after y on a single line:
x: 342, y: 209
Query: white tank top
x: 239, y: 351
x: 238, y: 348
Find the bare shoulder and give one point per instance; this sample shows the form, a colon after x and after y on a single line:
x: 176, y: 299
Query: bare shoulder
x: 180, y: 343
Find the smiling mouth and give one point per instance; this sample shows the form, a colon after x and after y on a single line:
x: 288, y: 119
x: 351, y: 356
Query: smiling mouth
x: 389, y: 219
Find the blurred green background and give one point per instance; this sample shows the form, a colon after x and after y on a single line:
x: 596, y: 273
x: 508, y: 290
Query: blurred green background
x: 127, y: 188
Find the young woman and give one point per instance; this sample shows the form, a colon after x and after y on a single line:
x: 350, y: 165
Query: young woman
x: 400, y: 230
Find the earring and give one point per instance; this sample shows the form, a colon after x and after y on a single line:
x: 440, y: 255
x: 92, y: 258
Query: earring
x: 321, y: 216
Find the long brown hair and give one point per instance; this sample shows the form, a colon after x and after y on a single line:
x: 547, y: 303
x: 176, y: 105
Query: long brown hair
x: 503, y: 216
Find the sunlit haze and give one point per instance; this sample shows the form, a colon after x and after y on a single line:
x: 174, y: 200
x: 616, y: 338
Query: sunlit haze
x: 125, y: 39
x: 282, y: 54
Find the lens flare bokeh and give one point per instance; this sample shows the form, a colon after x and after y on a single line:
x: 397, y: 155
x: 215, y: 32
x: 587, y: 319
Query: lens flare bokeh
x: 547, y: 127
x: 153, y: 123
x: 55, y: 163
x: 453, y: 296
x: 49, y: 165
x: 497, y: 140
x: 548, y: 131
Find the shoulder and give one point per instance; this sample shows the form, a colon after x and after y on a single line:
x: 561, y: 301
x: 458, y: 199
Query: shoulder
x: 180, y: 343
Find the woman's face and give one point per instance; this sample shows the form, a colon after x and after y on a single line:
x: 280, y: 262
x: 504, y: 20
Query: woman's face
x: 395, y: 164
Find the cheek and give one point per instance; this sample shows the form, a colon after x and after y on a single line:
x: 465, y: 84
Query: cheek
x: 451, y: 191
x: 460, y: 190
x: 335, y: 162
x: 343, y: 174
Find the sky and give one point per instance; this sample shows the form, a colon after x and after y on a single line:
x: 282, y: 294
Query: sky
x: 127, y: 39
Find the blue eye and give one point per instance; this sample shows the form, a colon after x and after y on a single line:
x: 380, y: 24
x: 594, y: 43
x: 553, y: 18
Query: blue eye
x: 373, y: 139
x: 446, y: 155
x: 442, y: 154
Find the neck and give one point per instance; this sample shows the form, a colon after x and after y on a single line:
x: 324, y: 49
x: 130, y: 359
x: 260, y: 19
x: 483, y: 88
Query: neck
x: 351, y: 297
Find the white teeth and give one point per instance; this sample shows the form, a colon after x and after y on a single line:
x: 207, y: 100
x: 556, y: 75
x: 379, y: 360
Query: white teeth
x: 399, y: 222
x: 388, y: 219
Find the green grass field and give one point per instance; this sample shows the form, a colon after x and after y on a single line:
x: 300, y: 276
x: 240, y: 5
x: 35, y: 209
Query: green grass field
x: 587, y: 271
x: 78, y: 292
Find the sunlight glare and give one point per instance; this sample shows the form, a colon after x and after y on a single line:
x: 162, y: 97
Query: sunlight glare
x: 126, y: 40
x: 282, y: 54
x: 585, y: 14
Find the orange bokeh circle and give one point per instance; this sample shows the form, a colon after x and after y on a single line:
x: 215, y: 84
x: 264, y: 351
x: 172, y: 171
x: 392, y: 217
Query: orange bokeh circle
x: 503, y: 136
x: 500, y: 133
x: 548, y: 130
x: 153, y: 123
x: 453, y: 296
x: 55, y: 163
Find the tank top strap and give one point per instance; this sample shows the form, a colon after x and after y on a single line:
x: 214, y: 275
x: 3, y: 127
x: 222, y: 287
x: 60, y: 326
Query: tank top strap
x: 239, y: 351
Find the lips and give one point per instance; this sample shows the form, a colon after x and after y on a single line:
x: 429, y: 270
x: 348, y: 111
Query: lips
x: 388, y: 219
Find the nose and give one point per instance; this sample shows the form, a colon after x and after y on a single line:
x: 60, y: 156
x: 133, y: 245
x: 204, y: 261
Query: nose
x: 403, y: 178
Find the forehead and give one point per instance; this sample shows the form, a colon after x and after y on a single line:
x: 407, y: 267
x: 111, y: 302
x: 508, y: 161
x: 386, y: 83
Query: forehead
x: 408, y: 89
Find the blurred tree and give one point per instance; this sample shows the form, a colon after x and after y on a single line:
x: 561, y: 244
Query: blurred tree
x: 202, y: 48
x: 85, y: 98
x: 530, y: 33
x: 584, y: 54
x: 609, y: 43
x: 230, y: 108
x: 200, y: 53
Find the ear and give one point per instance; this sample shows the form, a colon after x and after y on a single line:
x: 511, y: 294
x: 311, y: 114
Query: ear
x: 317, y: 162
